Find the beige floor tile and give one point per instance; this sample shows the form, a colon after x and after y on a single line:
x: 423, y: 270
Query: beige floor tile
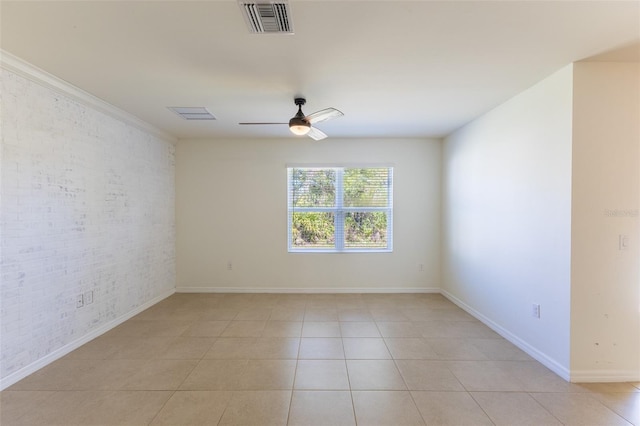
x: 283, y: 313
x: 59, y: 409
x: 163, y: 328
x: 282, y: 329
x: 275, y: 348
x: 264, y: 408
x: 321, y: 329
x: 449, y: 408
x: 499, y: 350
x: 253, y: 315
x: 321, y: 302
x: 268, y: 374
x: 418, y: 314
x: 72, y: 374
x: 160, y: 374
x: 350, y: 301
x: 321, y: 408
x: 321, y: 374
x: 449, y: 314
x: 142, y: 348
x: 321, y: 348
x: 365, y: 348
x: 609, y: 387
x: 398, y: 329
x: 374, y: 375
x: 238, y: 302
x: 455, y: 349
x: 244, y: 329
x: 625, y: 404
x: 100, y: 348
x: 514, y: 408
x: 112, y: 374
x: 385, y: 408
x: 354, y: 314
x: 410, y: 348
x: 535, y: 377
x: 292, y: 298
x: 206, y: 329
x: 428, y: 375
x: 193, y: 408
x: 82, y: 408
x: 214, y: 374
x: 16, y: 404
x: 151, y: 328
x: 456, y: 329
x: 186, y: 313
x: 120, y: 408
x: 187, y: 348
x: 484, y: 376
x: 220, y: 314
x: 579, y: 409
x: 231, y: 348
x: 359, y: 329
x: 389, y: 314
x: 320, y: 313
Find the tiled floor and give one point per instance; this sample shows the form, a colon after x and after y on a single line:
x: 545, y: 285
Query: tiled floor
x: 289, y: 359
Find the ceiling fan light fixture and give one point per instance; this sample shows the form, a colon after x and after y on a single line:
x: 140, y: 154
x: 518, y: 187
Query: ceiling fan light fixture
x: 299, y: 126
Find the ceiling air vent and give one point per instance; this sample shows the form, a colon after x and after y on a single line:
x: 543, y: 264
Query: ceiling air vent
x: 193, y: 113
x: 267, y: 17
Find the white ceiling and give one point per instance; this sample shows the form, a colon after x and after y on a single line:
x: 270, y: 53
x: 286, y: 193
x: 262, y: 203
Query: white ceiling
x: 395, y: 68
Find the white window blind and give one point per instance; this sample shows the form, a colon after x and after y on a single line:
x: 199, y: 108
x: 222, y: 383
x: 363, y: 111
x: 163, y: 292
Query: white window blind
x: 340, y: 209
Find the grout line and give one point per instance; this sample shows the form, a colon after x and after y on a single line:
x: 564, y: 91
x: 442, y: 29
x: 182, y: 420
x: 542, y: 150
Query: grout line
x: 165, y: 403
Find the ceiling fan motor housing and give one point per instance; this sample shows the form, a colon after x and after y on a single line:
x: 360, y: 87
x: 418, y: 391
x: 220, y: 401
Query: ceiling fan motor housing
x: 298, y: 124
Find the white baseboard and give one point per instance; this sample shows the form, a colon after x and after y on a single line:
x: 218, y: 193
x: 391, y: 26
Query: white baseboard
x: 541, y: 357
x: 304, y: 290
x: 605, y: 376
x: 16, y: 376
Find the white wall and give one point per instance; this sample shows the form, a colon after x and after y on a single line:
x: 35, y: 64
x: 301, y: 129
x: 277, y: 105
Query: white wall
x: 507, y: 218
x: 87, y: 206
x: 605, y: 283
x: 232, y: 206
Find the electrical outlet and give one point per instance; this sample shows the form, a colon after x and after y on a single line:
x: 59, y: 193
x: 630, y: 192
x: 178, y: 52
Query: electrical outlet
x: 535, y: 310
x: 79, y: 301
x: 421, y: 267
x: 229, y: 266
x: 623, y: 242
x: 88, y: 297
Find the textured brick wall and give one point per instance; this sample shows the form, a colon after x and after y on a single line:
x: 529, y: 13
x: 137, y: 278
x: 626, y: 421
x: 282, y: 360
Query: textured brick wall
x: 87, y: 204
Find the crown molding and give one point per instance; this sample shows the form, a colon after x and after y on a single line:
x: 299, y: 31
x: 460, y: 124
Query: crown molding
x: 39, y: 76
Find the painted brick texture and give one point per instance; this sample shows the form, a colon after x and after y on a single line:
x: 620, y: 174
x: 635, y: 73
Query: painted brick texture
x: 87, y: 204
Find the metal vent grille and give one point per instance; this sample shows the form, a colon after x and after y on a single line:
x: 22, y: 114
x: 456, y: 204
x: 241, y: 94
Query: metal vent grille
x: 267, y: 17
x: 193, y: 113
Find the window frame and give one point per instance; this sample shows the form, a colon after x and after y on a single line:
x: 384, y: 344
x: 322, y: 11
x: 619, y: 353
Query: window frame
x: 339, y: 210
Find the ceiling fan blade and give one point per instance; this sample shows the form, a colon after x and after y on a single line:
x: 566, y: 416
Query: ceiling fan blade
x: 323, y: 115
x: 252, y: 124
x: 316, y: 134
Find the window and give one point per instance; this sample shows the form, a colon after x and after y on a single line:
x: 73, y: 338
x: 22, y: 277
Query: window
x: 340, y: 209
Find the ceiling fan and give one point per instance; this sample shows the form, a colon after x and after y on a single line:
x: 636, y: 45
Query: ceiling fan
x: 301, y: 124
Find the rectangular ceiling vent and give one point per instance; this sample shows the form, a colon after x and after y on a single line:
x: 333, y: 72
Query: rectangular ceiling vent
x: 193, y: 113
x: 267, y: 17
